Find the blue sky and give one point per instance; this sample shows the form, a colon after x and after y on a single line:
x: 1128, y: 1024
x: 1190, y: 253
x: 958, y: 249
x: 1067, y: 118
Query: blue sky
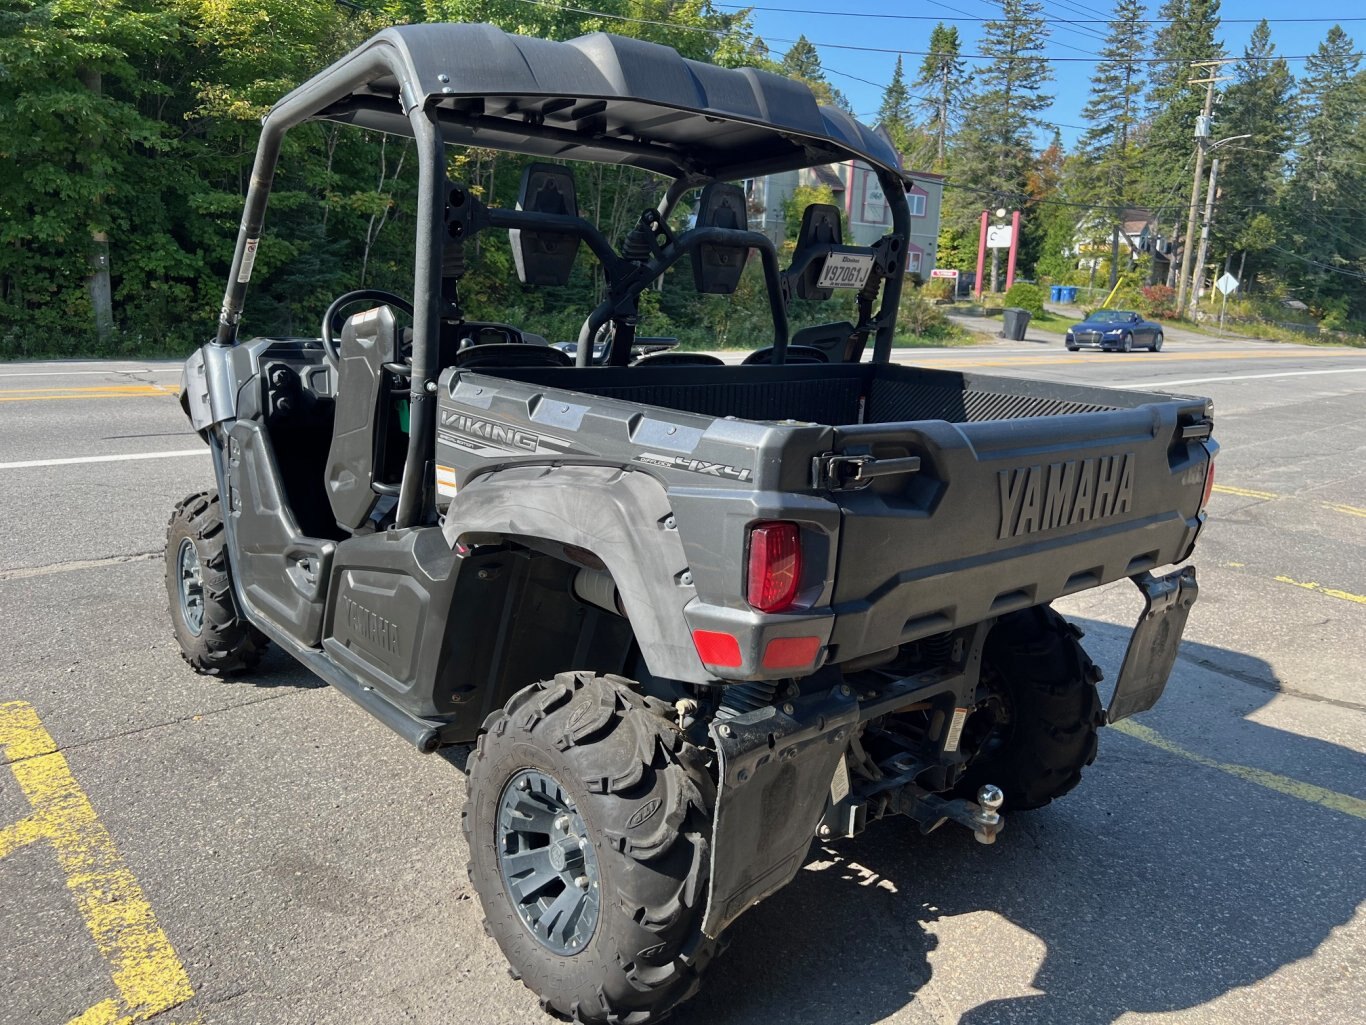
x: 1070, y: 38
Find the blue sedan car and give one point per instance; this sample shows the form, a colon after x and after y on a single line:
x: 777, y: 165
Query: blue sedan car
x: 1115, y: 331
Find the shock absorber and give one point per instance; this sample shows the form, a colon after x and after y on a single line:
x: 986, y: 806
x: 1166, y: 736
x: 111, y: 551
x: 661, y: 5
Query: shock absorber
x: 739, y: 698
x: 938, y: 649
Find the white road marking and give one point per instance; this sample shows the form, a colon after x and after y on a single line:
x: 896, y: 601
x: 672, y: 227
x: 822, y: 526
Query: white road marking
x: 1229, y: 377
x: 129, y: 457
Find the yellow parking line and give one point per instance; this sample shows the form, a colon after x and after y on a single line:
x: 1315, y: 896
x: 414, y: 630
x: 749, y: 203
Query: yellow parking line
x: 1331, y: 592
x: 1228, y: 489
x: 1344, y: 803
x: 109, y: 391
x: 145, y: 969
x: 1350, y: 510
x: 1267, y: 496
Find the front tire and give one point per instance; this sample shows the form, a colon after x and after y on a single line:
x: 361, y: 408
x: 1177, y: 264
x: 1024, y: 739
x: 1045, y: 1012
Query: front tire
x: 1127, y: 343
x: 214, y: 638
x: 1157, y: 342
x: 585, y: 763
x: 1046, y: 710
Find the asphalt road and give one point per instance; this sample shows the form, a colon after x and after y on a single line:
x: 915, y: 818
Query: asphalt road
x: 261, y: 851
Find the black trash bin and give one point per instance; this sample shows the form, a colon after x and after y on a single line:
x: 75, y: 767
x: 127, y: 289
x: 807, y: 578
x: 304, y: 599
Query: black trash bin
x: 1015, y: 322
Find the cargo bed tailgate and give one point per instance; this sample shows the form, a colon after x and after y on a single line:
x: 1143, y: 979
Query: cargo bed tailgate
x: 1004, y: 514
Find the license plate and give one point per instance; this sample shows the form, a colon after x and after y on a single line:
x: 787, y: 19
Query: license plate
x: 1153, y: 646
x: 845, y: 270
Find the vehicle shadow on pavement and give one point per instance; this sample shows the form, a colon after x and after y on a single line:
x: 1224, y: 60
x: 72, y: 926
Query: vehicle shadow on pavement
x: 1160, y: 884
x: 278, y: 669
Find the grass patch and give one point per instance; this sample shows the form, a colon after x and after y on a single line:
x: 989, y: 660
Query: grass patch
x: 952, y: 337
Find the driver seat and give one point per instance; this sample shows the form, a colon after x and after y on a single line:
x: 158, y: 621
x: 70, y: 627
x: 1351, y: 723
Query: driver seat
x: 365, y: 460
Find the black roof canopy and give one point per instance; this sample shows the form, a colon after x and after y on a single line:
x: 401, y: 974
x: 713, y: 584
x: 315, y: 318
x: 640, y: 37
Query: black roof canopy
x: 599, y: 97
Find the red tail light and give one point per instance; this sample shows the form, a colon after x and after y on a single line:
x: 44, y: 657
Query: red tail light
x: 775, y: 566
x: 1209, y: 484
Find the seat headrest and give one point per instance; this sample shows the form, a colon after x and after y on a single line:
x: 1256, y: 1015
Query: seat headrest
x: 821, y: 227
x: 545, y: 257
x: 511, y: 354
x: 717, y: 267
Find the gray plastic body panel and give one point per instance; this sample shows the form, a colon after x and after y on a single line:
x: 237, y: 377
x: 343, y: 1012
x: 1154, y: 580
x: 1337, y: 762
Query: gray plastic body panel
x: 1071, y: 488
x: 604, y: 92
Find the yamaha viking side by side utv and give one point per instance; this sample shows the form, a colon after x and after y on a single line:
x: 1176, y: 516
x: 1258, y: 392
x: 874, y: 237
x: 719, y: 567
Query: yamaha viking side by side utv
x: 689, y: 615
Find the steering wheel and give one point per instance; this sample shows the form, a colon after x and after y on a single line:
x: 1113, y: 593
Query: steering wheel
x: 332, y: 321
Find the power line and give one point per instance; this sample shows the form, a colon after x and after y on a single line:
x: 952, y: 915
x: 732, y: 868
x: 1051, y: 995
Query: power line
x: 1318, y: 263
x: 1092, y: 59
x: 971, y: 18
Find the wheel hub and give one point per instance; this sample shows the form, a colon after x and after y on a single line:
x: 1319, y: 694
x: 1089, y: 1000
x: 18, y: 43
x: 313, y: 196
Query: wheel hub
x: 191, y: 586
x: 549, y: 868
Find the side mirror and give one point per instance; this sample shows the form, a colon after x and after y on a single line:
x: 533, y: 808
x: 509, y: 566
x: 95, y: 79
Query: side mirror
x: 545, y: 257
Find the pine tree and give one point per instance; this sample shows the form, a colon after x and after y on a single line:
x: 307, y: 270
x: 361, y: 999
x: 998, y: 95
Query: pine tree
x: 1113, y: 109
x: 941, y: 74
x: 803, y: 62
x: 895, y: 113
x: 996, y: 143
x: 1323, y: 220
x: 1259, y: 103
x: 1173, y: 103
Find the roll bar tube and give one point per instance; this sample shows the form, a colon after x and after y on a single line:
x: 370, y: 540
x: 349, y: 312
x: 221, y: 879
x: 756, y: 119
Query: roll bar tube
x: 300, y: 105
x: 675, y: 251
x: 894, y: 188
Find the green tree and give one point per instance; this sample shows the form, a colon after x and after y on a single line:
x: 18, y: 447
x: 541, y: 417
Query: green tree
x: 995, y: 146
x: 1189, y: 35
x: 1113, y: 111
x: 1323, y: 220
x: 802, y: 62
x: 85, y: 166
x: 1259, y: 103
x: 895, y: 113
x: 942, y: 75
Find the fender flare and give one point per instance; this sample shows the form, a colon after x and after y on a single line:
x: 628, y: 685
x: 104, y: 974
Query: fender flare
x: 621, y: 516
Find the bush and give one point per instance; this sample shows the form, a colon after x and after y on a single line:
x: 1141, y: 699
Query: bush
x: 938, y: 288
x: 1158, y: 301
x: 1026, y: 297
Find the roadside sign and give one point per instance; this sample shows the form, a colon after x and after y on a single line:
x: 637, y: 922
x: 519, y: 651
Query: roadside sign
x: 943, y: 272
x: 1227, y: 284
x: 999, y: 236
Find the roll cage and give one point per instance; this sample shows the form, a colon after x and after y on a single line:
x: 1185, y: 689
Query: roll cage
x: 599, y: 98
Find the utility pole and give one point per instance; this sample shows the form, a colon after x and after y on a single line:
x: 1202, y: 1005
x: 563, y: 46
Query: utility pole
x: 1014, y: 248
x: 1199, y: 273
x: 981, y: 254
x: 1201, y: 139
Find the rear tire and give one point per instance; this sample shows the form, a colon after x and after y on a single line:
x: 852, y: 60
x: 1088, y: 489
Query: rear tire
x: 214, y: 638
x: 615, y: 774
x: 1048, y: 712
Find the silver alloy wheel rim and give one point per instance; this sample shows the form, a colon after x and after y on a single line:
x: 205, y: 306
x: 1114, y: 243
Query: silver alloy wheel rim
x: 191, y: 586
x: 549, y: 867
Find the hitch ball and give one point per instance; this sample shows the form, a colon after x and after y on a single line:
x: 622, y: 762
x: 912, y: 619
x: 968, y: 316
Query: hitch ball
x: 987, y: 818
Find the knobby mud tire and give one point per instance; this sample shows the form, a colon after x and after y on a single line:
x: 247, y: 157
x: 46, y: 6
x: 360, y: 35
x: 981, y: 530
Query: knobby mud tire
x: 646, y: 800
x: 225, y: 643
x: 1047, y: 684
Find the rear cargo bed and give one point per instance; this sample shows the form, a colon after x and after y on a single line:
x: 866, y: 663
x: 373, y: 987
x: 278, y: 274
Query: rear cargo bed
x: 838, y: 395
x: 993, y: 493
